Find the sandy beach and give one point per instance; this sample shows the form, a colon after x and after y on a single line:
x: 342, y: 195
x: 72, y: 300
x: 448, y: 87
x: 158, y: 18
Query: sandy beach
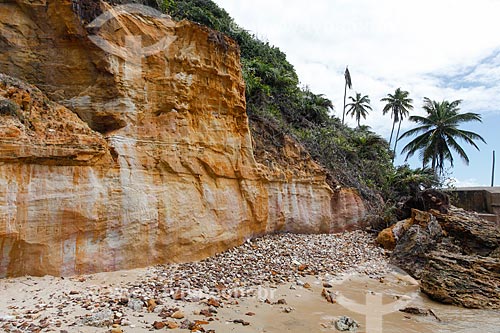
x: 273, y: 284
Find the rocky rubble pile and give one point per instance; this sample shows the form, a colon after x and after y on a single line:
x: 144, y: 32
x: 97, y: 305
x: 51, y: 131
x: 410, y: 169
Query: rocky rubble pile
x: 278, y: 259
x: 188, y: 296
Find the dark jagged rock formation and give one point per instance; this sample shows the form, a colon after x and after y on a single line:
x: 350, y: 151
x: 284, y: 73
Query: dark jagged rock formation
x: 467, y: 280
x: 411, y: 250
x: 456, y: 256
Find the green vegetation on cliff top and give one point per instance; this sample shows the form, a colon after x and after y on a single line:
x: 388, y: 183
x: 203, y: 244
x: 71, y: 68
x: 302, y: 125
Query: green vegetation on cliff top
x: 356, y: 158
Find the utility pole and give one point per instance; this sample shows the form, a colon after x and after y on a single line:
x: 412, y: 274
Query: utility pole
x: 493, y: 171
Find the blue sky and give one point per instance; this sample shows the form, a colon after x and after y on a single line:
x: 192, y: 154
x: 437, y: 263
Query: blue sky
x: 441, y: 49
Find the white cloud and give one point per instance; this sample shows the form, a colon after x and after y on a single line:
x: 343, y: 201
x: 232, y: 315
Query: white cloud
x: 471, y: 182
x: 387, y: 44
x: 446, y: 49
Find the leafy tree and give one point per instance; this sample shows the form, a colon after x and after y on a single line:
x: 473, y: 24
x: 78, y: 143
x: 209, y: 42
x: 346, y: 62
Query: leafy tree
x: 438, y: 133
x: 402, y: 183
x: 355, y: 158
x: 359, y: 107
x: 315, y: 107
x: 368, y: 143
x: 167, y: 5
x: 406, y: 182
x: 400, y: 105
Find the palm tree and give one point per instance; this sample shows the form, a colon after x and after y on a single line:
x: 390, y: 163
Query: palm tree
x: 348, y: 83
x: 438, y: 134
x: 316, y: 107
x: 400, y: 105
x: 368, y: 144
x: 359, y: 107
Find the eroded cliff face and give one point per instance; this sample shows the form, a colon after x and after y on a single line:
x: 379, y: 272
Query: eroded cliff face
x: 136, y: 151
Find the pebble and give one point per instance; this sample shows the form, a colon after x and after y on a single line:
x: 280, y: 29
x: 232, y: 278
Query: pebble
x: 213, y: 302
x: 158, y: 325
x: 126, y: 322
x: 151, y: 305
x: 135, y: 304
x: 116, y: 329
x: 275, y: 259
x: 99, y: 319
x: 241, y: 321
x: 178, y: 315
x: 171, y: 325
x: 345, y: 323
x: 217, y: 282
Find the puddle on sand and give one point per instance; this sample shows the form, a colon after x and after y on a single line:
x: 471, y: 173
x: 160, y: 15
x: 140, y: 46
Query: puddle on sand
x: 402, y: 291
x: 311, y: 312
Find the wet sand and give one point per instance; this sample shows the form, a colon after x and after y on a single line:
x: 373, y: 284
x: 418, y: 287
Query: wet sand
x: 312, y: 313
x: 272, y: 284
x: 32, y: 299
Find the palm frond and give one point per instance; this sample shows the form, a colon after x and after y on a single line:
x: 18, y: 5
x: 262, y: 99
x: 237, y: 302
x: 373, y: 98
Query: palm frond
x: 348, y: 79
x: 415, y: 131
x: 438, y: 133
x: 460, y: 151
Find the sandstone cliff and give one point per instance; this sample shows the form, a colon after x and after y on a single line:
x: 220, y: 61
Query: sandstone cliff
x: 138, y: 151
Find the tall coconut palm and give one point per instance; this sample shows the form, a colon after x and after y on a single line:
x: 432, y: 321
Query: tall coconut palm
x: 438, y: 133
x: 400, y: 105
x: 359, y: 107
x: 348, y: 83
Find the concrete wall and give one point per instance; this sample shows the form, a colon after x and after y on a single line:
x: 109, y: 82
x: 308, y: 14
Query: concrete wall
x: 484, y: 200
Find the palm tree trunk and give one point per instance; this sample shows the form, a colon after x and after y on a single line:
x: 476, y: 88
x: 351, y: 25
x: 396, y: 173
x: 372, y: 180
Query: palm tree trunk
x: 392, y: 132
x: 434, y: 164
x: 396, y: 140
x: 345, y: 95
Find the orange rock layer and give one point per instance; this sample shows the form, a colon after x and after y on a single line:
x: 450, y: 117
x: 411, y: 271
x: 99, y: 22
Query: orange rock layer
x: 120, y: 161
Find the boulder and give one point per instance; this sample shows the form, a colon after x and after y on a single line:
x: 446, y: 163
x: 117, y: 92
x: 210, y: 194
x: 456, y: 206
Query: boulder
x: 475, y: 235
x: 388, y: 237
x: 414, y: 244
